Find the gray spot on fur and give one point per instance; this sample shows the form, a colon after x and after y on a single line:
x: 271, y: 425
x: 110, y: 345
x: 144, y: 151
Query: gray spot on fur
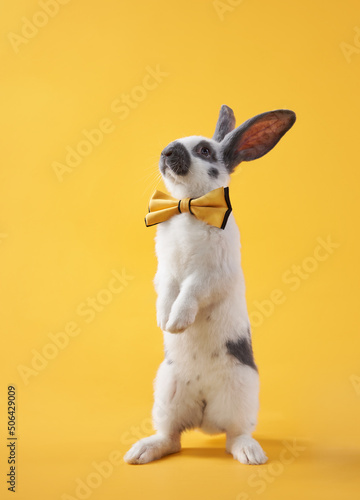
x: 167, y: 358
x: 213, y: 172
x: 241, y: 349
x: 203, y: 408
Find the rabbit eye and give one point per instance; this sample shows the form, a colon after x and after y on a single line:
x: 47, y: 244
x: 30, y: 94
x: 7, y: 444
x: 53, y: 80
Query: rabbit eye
x: 205, y: 151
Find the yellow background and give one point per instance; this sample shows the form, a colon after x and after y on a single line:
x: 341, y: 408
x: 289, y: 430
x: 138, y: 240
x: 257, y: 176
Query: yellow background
x: 60, y: 241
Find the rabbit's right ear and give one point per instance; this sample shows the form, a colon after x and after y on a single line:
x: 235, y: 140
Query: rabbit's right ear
x: 225, y: 123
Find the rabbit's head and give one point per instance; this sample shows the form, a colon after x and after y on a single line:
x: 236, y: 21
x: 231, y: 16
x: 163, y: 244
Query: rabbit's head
x: 195, y: 165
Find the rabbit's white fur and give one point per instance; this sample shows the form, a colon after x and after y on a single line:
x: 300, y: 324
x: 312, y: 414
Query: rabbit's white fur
x: 201, y: 293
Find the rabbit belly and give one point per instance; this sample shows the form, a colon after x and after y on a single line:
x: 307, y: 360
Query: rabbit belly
x: 208, y: 389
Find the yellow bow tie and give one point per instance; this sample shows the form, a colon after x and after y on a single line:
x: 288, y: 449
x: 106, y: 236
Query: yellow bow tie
x: 213, y: 208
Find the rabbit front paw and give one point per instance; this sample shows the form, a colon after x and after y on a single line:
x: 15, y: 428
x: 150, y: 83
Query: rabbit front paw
x: 180, y: 319
x: 164, y: 303
x: 162, y: 319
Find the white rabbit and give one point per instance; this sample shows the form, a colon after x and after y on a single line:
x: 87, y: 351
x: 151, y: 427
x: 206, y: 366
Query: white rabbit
x: 208, y: 379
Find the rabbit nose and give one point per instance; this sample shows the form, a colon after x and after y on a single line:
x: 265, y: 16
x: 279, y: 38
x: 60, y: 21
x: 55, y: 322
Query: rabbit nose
x: 167, y: 151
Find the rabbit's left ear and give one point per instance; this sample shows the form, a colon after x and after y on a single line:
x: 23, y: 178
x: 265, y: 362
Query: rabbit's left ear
x: 225, y: 123
x: 256, y: 137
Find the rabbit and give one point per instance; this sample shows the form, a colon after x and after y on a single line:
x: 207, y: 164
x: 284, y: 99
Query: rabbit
x: 208, y: 379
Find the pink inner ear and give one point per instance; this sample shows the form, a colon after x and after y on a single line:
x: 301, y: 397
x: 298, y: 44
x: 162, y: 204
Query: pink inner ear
x: 262, y: 132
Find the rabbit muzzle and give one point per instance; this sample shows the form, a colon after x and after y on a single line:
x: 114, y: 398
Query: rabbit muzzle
x: 175, y: 157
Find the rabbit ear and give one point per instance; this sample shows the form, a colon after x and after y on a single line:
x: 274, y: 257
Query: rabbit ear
x: 225, y: 123
x: 256, y: 137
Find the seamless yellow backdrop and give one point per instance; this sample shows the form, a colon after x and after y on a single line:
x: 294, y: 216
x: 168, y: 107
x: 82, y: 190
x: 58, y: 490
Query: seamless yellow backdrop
x: 90, y: 94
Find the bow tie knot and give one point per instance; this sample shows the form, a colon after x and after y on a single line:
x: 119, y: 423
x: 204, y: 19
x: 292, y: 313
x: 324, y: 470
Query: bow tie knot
x: 184, y: 205
x: 213, y: 208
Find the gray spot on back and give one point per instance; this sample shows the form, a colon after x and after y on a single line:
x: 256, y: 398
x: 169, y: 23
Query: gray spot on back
x: 241, y: 349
